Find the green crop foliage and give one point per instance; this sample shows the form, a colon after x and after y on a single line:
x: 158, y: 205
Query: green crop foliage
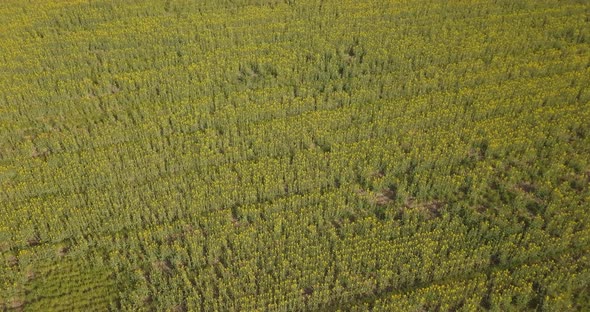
x: 294, y: 155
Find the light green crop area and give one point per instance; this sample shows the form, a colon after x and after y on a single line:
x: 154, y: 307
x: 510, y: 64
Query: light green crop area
x: 296, y: 155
